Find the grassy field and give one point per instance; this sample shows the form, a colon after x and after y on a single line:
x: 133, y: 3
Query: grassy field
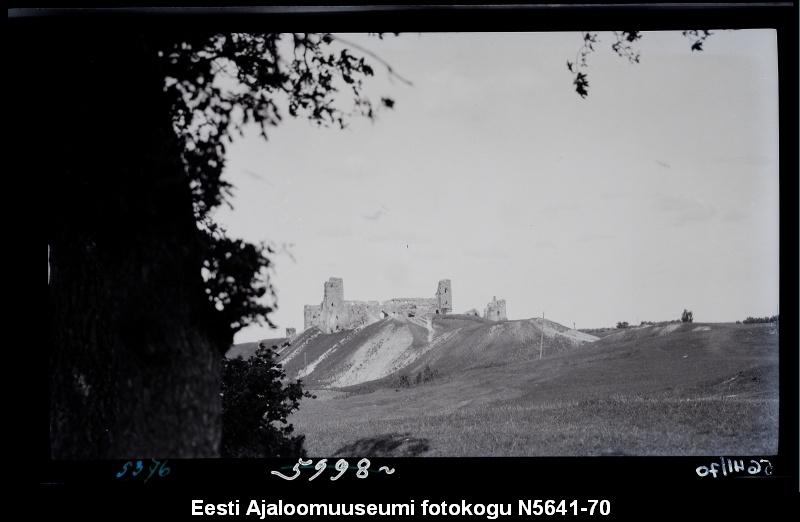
x: 695, y: 390
x: 619, y: 425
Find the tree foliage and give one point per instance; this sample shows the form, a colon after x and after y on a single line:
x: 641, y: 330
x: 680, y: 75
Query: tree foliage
x: 256, y: 402
x: 145, y: 290
x: 765, y: 319
x: 219, y: 84
x: 687, y: 316
x: 624, y: 46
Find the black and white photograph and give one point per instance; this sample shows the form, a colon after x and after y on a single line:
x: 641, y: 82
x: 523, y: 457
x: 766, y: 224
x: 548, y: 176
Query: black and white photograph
x: 410, y: 248
x: 505, y: 265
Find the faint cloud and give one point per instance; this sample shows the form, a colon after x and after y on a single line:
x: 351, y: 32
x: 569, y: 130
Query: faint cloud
x: 377, y: 214
x: 663, y: 164
x: 334, y: 232
x: 587, y: 237
x: 560, y: 208
x: 454, y: 91
x: 485, y: 252
x: 751, y: 160
x: 356, y: 166
x: 735, y: 214
x: 544, y: 244
x: 257, y: 177
x: 397, y: 236
x: 686, y: 210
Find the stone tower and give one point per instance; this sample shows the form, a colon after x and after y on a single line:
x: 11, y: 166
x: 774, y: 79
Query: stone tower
x: 496, y: 310
x: 444, y: 297
x: 291, y: 333
x: 332, y: 304
x: 334, y: 293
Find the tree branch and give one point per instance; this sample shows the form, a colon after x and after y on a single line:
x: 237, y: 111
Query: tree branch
x: 381, y: 60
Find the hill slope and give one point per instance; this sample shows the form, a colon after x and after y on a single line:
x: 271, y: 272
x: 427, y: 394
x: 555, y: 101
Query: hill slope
x: 687, y: 389
x: 393, y: 346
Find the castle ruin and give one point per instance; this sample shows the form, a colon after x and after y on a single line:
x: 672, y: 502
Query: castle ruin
x: 335, y: 314
x: 496, y: 310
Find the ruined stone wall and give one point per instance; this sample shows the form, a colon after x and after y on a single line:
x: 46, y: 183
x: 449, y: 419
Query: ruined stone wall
x: 336, y: 314
x: 350, y: 314
x: 312, y: 316
x: 496, y: 310
x: 409, y: 307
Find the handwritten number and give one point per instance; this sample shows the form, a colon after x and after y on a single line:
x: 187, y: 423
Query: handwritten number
x: 158, y: 465
x: 124, y: 469
x: 341, y: 467
x: 296, y: 469
x: 320, y: 467
x: 363, y: 466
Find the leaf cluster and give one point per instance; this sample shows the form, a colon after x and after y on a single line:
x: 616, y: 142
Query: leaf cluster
x: 623, y: 46
x: 698, y: 38
x: 256, y: 401
x: 237, y: 278
x: 217, y: 85
x: 581, y: 82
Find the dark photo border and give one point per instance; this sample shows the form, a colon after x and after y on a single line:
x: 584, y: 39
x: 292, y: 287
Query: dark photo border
x: 635, y: 486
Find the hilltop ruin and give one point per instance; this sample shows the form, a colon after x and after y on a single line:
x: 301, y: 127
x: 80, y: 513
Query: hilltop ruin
x: 335, y: 314
x: 496, y: 310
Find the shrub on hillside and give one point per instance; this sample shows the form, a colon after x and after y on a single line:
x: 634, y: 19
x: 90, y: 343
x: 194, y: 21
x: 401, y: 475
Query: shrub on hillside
x: 255, y: 404
x: 622, y: 324
x: 659, y: 323
x: 750, y: 320
x: 687, y: 316
x: 403, y: 381
x: 426, y: 375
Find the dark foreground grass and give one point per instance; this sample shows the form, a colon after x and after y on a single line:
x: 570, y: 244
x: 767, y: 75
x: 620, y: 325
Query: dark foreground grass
x: 617, y: 425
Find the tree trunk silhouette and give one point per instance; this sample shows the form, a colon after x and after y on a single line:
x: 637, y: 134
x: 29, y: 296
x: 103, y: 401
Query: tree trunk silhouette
x: 135, y: 344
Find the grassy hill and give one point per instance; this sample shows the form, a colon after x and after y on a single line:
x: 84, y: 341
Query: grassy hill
x: 379, y: 353
x: 683, y: 389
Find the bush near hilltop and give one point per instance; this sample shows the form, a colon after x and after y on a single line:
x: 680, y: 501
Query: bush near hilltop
x: 766, y: 319
x: 255, y: 405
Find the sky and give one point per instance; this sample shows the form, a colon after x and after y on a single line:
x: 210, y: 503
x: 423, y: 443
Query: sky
x: 656, y: 193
